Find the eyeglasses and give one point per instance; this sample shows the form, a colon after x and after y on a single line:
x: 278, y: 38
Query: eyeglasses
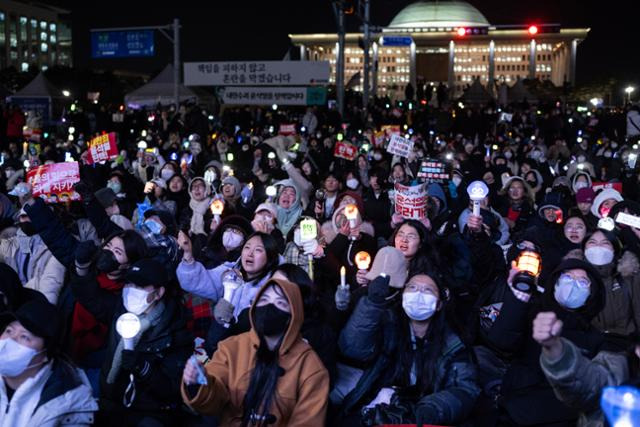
x: 582, y: 282
x: 409, y: 236
x: 412, y: 287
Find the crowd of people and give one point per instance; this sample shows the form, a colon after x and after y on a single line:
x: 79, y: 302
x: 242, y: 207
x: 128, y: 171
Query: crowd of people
x: 221, y: 271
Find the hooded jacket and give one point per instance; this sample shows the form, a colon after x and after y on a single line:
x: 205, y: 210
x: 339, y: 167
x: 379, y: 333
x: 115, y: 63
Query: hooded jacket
x: 302, y: 389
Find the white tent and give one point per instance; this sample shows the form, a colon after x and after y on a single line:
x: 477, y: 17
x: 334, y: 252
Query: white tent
x: 158, y: 90
x: 39, y: 87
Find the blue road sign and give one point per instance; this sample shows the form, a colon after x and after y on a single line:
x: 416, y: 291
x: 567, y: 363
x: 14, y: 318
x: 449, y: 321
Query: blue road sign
x: 396, y: 41
x: 122, y: 44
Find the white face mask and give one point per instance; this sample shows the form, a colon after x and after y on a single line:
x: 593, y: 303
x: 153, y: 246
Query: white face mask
x: 419, y: 306
x: 15, y: 357
x: 166, y: 174
x: 456, y: 180
x: 352, y: 183
x: 135, y: 300
x: 377, y: 156
x: 599, y: 255
x: 508, y: 155
x: 231, y: 240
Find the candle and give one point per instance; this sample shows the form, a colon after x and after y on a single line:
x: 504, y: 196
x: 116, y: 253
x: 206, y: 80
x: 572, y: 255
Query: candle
x: 25, y: 146
x: 363, y: 260
x: 343, y: 279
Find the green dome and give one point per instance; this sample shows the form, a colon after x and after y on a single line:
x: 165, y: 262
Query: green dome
x: 439, y: 14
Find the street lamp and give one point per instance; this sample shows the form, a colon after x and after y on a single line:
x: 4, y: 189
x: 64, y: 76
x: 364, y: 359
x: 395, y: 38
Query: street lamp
x: 628, y: 90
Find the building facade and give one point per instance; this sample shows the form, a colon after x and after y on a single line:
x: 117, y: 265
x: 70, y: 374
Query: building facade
x: 450, y: 42
x: 34, y: 34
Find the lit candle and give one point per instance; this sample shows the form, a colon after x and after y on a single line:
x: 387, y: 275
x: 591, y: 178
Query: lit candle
x: 25, y: 146
x: 363, y: 260
x: 343, y: 279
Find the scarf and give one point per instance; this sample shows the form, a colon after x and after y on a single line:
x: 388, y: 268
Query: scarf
x: 88, y: 333
x: 287, y: 218
x: 197, y: 219
x: 146, y: 321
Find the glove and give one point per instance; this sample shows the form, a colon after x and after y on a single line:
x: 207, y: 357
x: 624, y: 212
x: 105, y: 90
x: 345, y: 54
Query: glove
x: 343, y: 297
x: 84, y: 190
x: 223, y: 311
x: 138, y: 366
x: 310, y: 246
x: 378, y: 289
x: 85, y: 252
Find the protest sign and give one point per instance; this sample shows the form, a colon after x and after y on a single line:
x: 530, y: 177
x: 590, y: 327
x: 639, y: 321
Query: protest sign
x: 287, y: 129
x: 400, y: 146
x: 345, y: 150
x: 597, y: 186
x: 432, y: 170
x: 54, y: 182
x: 102, y: 148
x: 308, y: 230
x: 411, y: 202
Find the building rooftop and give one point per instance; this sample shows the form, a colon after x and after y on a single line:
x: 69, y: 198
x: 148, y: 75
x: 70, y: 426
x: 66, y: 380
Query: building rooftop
x: 428, y: 14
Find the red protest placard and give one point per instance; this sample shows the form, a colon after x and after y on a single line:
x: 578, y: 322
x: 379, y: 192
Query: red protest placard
x: 597, y: 186
x: 411, y: 202
x: 345, y: 150
x: 288, y: 129
x: 102, y: 148
x: 54, y: 182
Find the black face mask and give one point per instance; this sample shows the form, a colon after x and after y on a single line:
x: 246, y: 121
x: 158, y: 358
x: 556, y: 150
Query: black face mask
x: 270, y: 320
x: 106, y: 261
x: 27, y: 228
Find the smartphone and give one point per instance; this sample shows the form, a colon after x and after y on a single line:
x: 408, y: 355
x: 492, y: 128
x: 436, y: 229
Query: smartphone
x: 201, y: 377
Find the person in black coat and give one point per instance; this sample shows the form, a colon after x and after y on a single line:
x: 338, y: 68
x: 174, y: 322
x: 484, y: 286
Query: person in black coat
x: 377, y: 206
x: 139, y: 385
x: 576, y: 294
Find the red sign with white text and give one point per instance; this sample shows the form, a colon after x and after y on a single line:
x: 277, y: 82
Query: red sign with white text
x: 54, y: 182
x: 345, y: 150
x: 102, y: 148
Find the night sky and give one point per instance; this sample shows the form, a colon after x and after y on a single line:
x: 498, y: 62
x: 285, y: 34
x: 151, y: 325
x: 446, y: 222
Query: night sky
x: 257, y: 30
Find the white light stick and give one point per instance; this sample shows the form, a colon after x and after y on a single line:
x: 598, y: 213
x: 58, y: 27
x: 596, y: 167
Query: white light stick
x: 477, y: 191
x: 271, y: 193
x: 128, y: 327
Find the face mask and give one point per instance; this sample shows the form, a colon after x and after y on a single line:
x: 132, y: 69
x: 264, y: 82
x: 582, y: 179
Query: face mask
x: 166, y: 174
x: 580, y: 184
x: 135, y: 300
x: 107, y: 262
x: 456, y: 180
x: 377, y: 156
x: 599, y: 255
x: 270, y: 320
x: 608, y: 154
x: 115, y: 186
x: 569, y: 294
x: 614, y: 145
x: 15, y: 357
x: 419, y: 306
x: 508, y: 155
x: 231, y: 240
x: 535, y: 155
x: 352, y: 183
x: 27, y: 228
x: 581, y: 159
x: 153, y: 226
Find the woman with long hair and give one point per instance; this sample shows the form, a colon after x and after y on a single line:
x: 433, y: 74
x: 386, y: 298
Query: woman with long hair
x: 267, y: 376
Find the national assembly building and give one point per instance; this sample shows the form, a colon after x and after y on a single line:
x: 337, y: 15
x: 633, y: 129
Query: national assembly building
x: 451, y: 42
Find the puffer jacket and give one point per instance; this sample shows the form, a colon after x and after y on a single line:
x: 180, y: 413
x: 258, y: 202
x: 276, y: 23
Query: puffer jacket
x: 59, y: 394
x: 621, y: 314
x: 43, y: 271
x: 372, y: 336
x: 578, y: 381
x: 302, y: 389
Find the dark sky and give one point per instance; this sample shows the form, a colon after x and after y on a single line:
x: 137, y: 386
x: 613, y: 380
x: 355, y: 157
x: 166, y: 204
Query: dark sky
x: 247, y: 30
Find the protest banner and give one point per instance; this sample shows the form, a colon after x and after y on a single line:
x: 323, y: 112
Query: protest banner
x: 400, y: 146
x: 345, y: 150
x: 411, y: 202
x: 102, y: 148
x: 54, y: 182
